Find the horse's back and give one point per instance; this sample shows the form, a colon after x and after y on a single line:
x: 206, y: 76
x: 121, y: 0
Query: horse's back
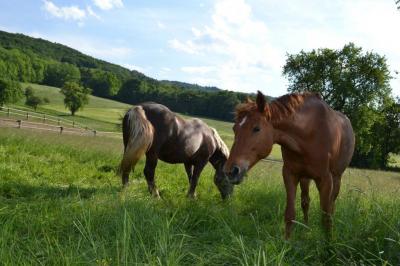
x: 329, y: 137
x: 177, y: 140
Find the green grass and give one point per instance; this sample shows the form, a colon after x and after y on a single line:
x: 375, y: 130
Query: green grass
x: 61, y: 203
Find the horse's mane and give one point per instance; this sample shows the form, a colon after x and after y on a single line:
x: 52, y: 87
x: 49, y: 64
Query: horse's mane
x: 279, y: 108
x: 220, y: 143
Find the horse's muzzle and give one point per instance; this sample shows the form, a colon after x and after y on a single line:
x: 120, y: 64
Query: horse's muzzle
x: 235, y: 175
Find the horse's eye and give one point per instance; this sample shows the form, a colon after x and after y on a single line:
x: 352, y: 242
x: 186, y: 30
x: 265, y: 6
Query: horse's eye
x: 256, y: 129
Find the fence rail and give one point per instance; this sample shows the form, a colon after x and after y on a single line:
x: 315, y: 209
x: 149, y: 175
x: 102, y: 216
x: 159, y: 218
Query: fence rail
x: 41, y: 116
x: 48, y: 123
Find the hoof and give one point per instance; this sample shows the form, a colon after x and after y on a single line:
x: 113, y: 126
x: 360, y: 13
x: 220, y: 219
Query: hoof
x: 191, y: 195
x: 155, y: 193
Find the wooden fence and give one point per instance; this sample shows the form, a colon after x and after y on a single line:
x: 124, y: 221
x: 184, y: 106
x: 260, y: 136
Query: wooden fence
x: 41, y: 121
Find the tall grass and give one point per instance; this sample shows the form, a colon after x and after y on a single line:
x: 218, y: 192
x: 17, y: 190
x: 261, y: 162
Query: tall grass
x: 61, y: 203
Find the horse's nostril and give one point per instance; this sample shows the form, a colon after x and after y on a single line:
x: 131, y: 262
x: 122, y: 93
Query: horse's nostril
x: 235, y: 170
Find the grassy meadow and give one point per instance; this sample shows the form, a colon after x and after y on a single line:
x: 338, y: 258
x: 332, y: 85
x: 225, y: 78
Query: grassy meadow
x: 61, y: 203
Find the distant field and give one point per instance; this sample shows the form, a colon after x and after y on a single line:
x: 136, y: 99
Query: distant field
x: 101, y: 114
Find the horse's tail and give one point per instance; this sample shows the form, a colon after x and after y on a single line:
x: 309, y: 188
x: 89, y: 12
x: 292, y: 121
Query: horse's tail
x: 138, y: 135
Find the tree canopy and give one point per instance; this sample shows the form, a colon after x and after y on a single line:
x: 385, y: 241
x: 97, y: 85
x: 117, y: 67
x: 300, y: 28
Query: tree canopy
x: 356, y: 83
x: 10, y: 91
x: 75, y: 96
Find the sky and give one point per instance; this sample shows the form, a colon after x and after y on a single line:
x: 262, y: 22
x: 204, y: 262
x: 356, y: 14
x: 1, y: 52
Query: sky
x: 238, y: 45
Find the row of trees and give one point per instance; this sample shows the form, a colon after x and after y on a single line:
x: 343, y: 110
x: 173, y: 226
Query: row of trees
x: 356, y: 83
x: 219, y: 104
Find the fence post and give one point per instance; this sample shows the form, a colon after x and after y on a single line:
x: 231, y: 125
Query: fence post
x: 73, y: 123
x: 44, y: 119
x: 19, y: 123
x: 27, y: 116
x: 94, y: 133
x: 8, y: 112
x: 61, y: 130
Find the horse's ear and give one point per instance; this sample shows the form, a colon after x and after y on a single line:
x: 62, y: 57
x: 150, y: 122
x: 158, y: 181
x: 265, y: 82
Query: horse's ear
x: 260, y: 102
x: 248, y: 100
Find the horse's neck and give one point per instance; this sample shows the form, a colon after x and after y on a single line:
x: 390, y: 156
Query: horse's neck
x: 287, y: 134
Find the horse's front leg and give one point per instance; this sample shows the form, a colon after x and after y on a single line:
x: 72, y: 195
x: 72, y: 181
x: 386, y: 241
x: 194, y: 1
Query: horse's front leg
x: 149, y: 170
x: 197, y: 169
x: 291, y: 183
x: 189, y: 171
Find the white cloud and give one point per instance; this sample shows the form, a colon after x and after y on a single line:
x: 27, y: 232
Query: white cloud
x: 242, y: 42
x: 92, y: 13
x: 108, y: 4
x: 66, y: 12
x: 187, y: 47
x: 243, y: 47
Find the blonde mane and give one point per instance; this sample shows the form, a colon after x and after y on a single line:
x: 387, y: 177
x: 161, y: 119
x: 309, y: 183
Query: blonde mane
x: 220, y: 143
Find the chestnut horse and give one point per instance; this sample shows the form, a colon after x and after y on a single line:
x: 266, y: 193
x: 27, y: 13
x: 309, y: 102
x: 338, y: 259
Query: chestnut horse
x: 317, y: 144
x: 154, y: 130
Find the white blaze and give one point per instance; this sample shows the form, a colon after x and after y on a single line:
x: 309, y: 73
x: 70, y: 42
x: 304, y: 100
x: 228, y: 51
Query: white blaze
x: 243, y: 121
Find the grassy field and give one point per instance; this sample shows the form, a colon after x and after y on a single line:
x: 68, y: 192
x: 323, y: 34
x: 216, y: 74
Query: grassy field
x: 61, y: 203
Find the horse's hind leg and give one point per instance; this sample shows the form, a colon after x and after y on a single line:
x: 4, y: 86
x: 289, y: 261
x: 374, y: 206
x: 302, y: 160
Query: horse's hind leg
x: 149, y: 170
x: 189, y: 171
x: 336, y: 188
x: 195, y: 177
x: 305, y: 197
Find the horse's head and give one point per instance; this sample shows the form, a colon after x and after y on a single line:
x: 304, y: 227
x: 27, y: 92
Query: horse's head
x: 222, y: 182
x: 218, y: 160
x: 253, y: 139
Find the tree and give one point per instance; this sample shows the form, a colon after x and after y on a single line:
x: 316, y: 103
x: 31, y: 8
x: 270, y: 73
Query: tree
x: 57, y: 74
x: 10, y: 91
x: 102, y: 83
x: 32, y: 100
x: 355, y: 83
x: 28, y: 91
x: 75, y: 96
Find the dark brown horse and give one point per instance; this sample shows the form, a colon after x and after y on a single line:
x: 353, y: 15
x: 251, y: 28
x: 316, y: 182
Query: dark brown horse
x: 154, y: 130
x: 317, y: 144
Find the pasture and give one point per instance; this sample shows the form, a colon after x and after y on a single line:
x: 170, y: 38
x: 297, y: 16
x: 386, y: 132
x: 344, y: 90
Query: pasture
x: 61, y: 203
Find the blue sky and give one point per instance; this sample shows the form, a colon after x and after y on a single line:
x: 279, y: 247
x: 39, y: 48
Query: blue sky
x: 233, y: 44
